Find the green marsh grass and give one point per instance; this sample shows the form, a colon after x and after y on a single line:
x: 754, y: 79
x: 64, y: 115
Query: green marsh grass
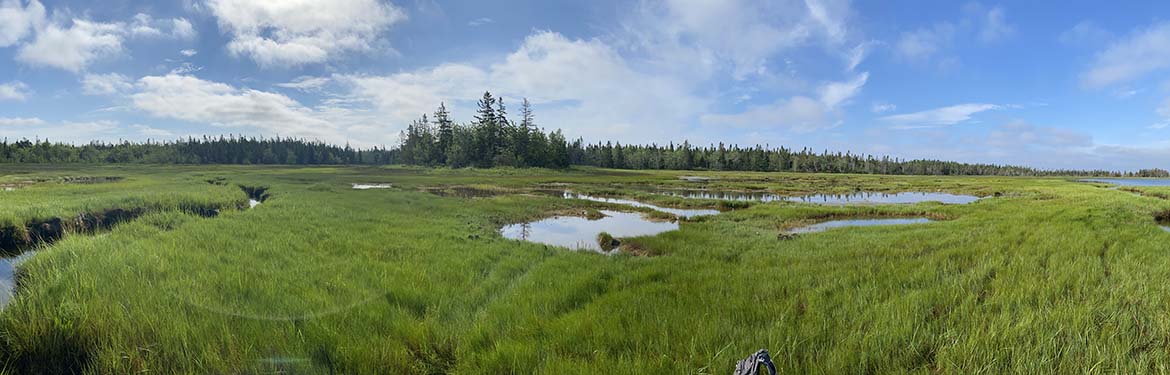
x: 1052, y: 276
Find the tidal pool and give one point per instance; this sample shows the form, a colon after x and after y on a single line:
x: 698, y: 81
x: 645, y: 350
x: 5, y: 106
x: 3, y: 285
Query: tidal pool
x: 1131, y: 181
x: 371, y: 186
x: 828, y: 199
x: 579, y: 233
x: 674, y: 211
x: 885, y: 198
x: 821, y: 227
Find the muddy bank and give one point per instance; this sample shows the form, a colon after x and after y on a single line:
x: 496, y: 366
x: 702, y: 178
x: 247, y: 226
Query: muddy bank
x: 463, y: 192
x: 256, y: 193
x: 16, y: 239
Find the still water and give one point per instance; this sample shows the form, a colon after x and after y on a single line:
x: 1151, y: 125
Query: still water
x: 674, y: 211
x: 579, y: 233
x: 829, y: 199
x: 1131, y: 181
x: 371, y: 186
x: 821, y: 227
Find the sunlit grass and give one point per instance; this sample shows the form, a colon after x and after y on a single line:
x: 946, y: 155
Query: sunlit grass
x: 1053, y: 276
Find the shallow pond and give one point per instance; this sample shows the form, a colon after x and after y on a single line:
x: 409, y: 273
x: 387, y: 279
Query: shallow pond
x: 821, y: 227
x: 371, y: 186
x: 828, y: 199
x: 885, y: 198
x: 579, y: 233
x: 674, y: 211
x: 1131, y: 181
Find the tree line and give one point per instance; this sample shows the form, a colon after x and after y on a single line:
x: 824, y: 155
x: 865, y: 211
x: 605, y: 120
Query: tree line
x: 494, y: 139
x: 205, y: 150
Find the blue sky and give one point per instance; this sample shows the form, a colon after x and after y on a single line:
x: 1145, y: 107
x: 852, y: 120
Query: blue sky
x: 1068, y: 84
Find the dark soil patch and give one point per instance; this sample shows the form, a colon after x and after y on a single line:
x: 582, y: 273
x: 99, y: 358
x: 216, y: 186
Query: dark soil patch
x: 259, y: 193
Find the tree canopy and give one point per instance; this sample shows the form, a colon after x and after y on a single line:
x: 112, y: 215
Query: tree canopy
x: 493, y: 139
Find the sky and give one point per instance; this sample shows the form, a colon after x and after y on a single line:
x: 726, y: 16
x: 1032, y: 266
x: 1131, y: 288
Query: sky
x: 1050, y: 84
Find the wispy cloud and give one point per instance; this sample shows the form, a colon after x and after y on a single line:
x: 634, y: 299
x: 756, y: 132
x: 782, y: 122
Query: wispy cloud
x: 480, y: 22
x: 1142, y: 52
x: 939, y: 117
x: 14, y: 90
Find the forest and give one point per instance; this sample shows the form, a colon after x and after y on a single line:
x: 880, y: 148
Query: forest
x: 493, y: 139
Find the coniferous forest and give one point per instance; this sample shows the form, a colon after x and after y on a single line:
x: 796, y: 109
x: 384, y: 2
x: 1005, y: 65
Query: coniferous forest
x: 495, y: 139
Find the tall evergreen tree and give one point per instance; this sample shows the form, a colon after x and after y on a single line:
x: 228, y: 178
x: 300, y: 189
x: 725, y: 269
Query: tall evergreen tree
x: 446, y: 131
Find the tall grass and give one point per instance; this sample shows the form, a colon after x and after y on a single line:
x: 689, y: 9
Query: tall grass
x: 1055, y: 276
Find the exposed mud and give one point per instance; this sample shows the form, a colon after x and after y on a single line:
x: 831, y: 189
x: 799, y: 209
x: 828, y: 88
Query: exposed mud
x: 463, y: 192
x: 257, y: 193
x: 16, y: 239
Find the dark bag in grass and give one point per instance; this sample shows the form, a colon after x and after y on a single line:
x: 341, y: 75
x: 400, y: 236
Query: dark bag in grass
x: 752, y: 365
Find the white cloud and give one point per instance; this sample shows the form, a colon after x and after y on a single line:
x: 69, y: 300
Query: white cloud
x: 924, y: 43
x: 71, y: 48
x: 582, y: 86
x: 181, y: 28
x: 1142, y: 52
x: 799, y: 113
x: 20, y: 121
x: 1020, y: 135
x: 15, y: 90
x: 937, y: 117
x: 306, y: 83
x: 837, y: 93
x: 701, y: 37
x: 882, y: 107
x: 302, y: 32
x: 105, y: 84
x: 480, y: 22
x: 151, y: 131
x: 192, y: 99
x: 72, y: 44
x: 188, y: 52
x: 17, y: 21
x: 186, y: 68
x: 68, y: 131
x: 1085, y: 34
x: 995, y: 26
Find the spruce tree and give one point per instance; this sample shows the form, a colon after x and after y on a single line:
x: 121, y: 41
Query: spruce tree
x: 446, y: 132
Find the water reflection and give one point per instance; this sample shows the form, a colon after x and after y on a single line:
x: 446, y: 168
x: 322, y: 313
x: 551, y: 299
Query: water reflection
x: 828, y: 199
x: 371, y: 186
x: 885, y: 198
x: 821, y: 227
x: 674, y: 211
x: 1131, y: 181
x: 579, y: 233
x: 252, y: 203
x: 8, y: 276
